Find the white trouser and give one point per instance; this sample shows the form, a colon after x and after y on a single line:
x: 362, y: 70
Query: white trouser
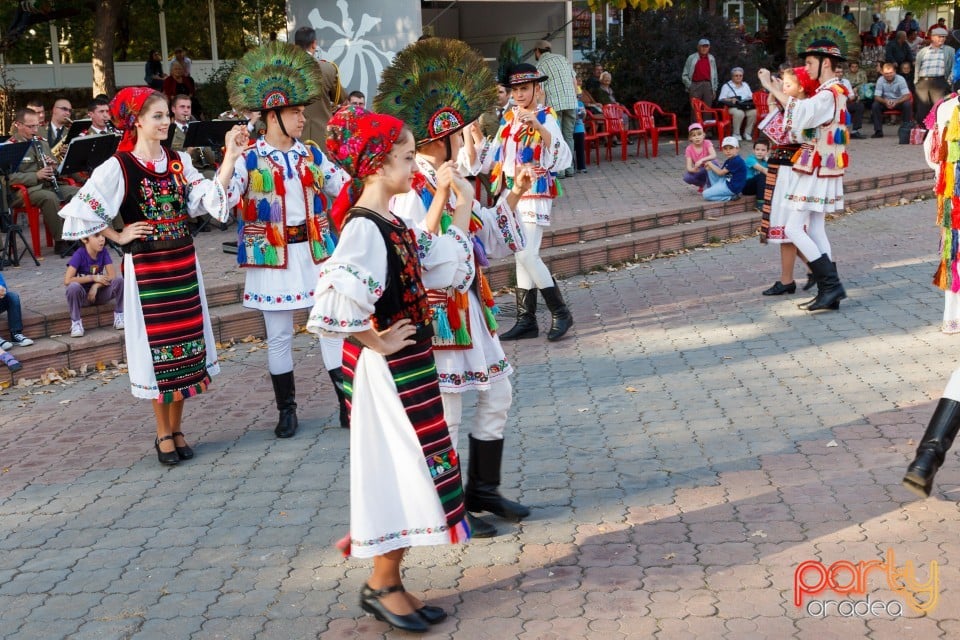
x: 811, y: 242
x: 279, y: 326
x: 952, y: 392
x: 531, y: 271
x: 491, y: 412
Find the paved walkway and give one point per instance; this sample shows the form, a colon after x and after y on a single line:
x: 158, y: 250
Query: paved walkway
x: 683, y: 450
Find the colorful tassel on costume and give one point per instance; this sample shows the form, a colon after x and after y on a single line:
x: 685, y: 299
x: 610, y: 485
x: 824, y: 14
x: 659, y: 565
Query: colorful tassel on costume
x: 954, y: 211
x: 241, y: 252
x: 250, y: 211
x: 274, y: 237
x: 441, y: 324
x: 276, y: 211
x: 278, y: 184
x: 453, y: 312
x: 344, y: 545
x: 267, y: 176
x: 263, y: 210
x: 270, y: 257
x: 251, y: 161
x: 256, y: 181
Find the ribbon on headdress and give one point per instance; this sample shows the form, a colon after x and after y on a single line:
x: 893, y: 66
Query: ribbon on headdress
x: 124, y: 109
x: 359, y: 141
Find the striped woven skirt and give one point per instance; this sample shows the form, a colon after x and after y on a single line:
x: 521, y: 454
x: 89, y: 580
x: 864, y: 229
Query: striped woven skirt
x: 170, y: 296
x: 405, y: 484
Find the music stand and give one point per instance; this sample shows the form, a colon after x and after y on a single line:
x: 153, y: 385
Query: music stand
x: 76, y: 128
x: 11, y: 155
x: 86, y: 153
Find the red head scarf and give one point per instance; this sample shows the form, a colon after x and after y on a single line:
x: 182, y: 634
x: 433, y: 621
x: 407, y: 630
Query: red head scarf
x: 124, y: 109
x: 359, y: 141
x: 808, y: 84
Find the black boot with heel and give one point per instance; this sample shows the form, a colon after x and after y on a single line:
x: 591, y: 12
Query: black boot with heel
x: 830, y: 290
x: 526, y: 326
x: 286, y: 394
x: 937, y: 440
x: 483, y: 482
x: 561, y: 318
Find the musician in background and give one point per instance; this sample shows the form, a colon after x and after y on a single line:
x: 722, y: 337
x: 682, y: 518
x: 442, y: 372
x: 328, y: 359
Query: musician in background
x: 36, y: 105
x: 60, y: 120
x: 204, y: 158
x: 37, y: 172
x: 99, y: 113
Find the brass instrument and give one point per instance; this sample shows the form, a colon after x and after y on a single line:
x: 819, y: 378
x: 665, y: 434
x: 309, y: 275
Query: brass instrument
x: 59, y: 150
x: 47, y: 162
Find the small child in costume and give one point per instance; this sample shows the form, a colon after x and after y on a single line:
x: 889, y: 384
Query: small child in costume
x: 530, y: 136
x: 92, y: 279
x: 698, y: 153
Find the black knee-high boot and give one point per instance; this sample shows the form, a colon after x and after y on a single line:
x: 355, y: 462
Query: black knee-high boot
x: 562, y: 319
x: 936, y: 441
x: 483, y: 482
x: 336, y: 376
x: 286, y: 394
x: 830, y: 290
x: 526, y: 326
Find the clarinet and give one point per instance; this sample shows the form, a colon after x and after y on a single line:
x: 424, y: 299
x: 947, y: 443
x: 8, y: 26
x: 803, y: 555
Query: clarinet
x: 42, y: 157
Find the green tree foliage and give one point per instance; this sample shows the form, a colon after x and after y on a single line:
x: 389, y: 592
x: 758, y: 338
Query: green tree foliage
x: 647, y: 62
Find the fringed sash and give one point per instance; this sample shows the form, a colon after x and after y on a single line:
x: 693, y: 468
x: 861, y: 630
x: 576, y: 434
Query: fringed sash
x: 415, y: 376
x: 173, y: 316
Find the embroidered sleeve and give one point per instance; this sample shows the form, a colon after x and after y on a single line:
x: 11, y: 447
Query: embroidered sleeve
x: 96, y: 204
x: 203, y: 196
x: 810, y: 112
x: 501, y: 233
x: 239, y: 179
x: 446, y: 259
x: 557, y: 155
x: 333, y: 177
x: 486, y: 152
x: 351, y: 281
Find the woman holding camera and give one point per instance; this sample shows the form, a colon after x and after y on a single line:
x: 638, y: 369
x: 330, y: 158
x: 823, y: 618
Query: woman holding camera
x: 738, y: 98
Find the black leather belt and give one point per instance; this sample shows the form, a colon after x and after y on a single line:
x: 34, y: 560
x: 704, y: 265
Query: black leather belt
x: 145, y: 246
x: 296, y: 234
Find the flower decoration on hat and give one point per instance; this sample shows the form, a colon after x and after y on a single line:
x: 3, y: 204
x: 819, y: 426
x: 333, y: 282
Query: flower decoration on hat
x: 824, y: 34
x: 437, y: 87
x: 274, y: 76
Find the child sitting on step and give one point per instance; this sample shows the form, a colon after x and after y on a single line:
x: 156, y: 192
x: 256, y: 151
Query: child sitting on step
x: 92, y: 279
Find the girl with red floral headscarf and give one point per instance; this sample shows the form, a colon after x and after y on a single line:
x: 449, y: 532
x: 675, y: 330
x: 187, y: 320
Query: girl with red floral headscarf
x: 405, y: 486
x: 170, y: 347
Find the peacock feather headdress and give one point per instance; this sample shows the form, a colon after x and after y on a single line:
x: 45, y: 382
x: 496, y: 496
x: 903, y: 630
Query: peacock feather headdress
x: 511, y: 54
x: 273, y: 76
x: 436, y: 86
x: 824, y: 34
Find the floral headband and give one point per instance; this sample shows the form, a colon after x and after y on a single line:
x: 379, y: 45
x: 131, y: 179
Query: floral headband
x: 359, y: 141
x: 124, y: 109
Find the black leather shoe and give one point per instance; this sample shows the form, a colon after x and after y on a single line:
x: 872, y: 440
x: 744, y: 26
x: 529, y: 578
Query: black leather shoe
x: 431, y: 614
x: 480, y: 528
x: 184, y: 452
x: 166, y: 457
x: 778, y: 289
x: 370, y: 602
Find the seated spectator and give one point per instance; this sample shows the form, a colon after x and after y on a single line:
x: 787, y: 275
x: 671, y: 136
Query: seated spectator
x: 914, y: 42
x: 738, y: 97
x: 727, y: 180
x: 898, y: 50
x: 906, y: 70
x: 757, y: 171
x: 10, y: 303
x: 91, y: 279
x: 153, y: 74
x: 179, y: 83
x: 605, y: 94
x: 180, y: 55
x: 857, y: 78
x: 592, y: 84
x: 357, y: 99
x: 698, y: 152
x: 891, y: 92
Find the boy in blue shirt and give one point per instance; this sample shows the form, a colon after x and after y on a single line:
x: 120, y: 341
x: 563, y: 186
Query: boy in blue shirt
x: 757, y: 171
x: 726, y: 181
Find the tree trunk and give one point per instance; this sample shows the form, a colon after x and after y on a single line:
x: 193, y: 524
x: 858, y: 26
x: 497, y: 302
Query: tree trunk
x: 104, y: 79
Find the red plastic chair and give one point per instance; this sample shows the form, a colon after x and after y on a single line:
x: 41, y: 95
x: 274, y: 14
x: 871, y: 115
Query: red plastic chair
x: 760, y: 102
x: 617, y: 118
x: 34, y: 217
x: 646, y: 113
x: 710, y: 117
x: 594, y: 136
